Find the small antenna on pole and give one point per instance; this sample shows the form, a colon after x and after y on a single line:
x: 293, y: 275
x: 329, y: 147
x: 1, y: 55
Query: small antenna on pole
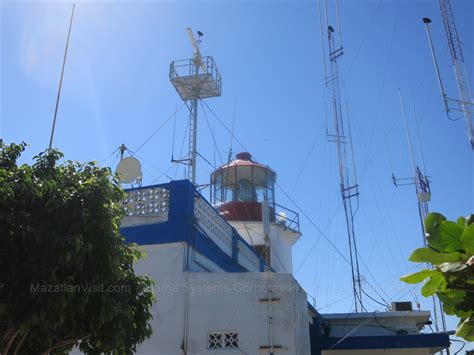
x: 122, y: 149
x: 61, y: 81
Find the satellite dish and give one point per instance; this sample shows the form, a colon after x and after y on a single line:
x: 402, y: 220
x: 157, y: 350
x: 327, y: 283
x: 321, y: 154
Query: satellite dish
x: 129, y: 169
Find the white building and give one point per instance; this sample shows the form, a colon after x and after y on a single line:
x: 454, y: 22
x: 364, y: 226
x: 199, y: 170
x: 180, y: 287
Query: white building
x: 223, y: 276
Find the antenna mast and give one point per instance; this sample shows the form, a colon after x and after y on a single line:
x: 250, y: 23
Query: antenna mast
x: 465, y: 103
x: 194, y: 79
x: 53, y: 126
x: 347, y: 175
x: 423, y: 193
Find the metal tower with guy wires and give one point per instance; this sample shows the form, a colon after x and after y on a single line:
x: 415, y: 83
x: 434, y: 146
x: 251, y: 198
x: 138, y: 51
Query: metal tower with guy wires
x: 423, y: 193
x: 194, y: 79
x: 347, y: 173
x: 465, y: 103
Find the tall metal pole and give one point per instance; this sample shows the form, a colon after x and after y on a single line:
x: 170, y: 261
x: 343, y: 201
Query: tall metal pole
x: 61, y: 81
x: 427, y: 21
x: 347, y: 176
x: 193, y: 124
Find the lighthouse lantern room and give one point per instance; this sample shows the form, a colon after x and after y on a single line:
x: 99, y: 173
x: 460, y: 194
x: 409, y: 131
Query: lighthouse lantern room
x: 239, y: 191
x: 240, y: 187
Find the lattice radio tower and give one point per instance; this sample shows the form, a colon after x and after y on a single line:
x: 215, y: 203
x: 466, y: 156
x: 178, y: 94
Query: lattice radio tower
x: 347, y: 173
x: 465, y: 103
x: 194, y: 79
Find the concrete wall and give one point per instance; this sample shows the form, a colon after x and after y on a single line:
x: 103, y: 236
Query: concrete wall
x: 218, y: 302
x: 281, y: 253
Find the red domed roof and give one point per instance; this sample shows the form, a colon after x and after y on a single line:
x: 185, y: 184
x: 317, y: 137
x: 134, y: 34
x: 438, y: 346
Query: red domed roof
x: 244, y: 156
x: 245, y: 159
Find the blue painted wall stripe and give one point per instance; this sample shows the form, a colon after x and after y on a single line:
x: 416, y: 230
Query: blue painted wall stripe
x: 181, y: 227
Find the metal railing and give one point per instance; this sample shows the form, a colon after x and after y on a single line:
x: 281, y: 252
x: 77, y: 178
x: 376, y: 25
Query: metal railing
x: 287, y: 218
x: 185, y: 67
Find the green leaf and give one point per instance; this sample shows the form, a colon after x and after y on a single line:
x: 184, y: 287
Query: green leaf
x: 448, y: 309
x: 465, y: 307
x: 419, y: 276
x: 445, y: 236
x: 428, y: 255
x: 466, y: 329
x: 467, y: 239
x: 432, y: 221
x: 435, y: 283
x: 451, y: 297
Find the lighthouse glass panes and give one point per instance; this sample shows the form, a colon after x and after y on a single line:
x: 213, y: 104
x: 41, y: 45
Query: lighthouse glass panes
x: 243, y: 184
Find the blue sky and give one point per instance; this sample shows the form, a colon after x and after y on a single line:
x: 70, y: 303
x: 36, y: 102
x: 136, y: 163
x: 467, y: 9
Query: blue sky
x: 116, y: 90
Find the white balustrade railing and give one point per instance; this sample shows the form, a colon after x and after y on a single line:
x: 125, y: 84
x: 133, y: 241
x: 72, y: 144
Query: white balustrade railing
x: 247, y: 258
x: 213, y: 225
x: 146, y: 205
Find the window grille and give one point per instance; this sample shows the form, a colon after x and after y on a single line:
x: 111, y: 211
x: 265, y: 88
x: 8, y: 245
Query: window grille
x: 214, y: 341
x: 231, y: 340
x: 223, y: 340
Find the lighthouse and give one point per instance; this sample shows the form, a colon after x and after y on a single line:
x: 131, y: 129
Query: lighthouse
x: 243, y: 191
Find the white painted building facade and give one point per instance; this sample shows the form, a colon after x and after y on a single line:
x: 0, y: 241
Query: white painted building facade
x: 223, y: 275
x: 207, y: 313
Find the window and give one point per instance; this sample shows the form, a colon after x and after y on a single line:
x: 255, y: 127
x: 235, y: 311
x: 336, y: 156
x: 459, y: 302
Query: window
x: 223, y: 340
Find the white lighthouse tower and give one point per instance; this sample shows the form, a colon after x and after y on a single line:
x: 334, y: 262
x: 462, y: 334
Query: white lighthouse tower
x: 243, y: 191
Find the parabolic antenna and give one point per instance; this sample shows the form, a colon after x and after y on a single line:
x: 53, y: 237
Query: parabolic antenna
x: 129, y: 169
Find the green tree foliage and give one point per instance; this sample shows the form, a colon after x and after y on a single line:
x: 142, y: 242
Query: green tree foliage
x: 66, y: 275
x: 450, y: 249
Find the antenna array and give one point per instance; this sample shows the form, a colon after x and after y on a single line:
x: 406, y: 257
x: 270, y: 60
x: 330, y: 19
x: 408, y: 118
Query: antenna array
x: 347, y: 173
x: 423, y: 193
